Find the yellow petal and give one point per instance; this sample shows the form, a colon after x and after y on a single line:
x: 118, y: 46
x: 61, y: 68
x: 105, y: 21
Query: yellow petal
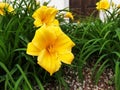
x: 1, y: 12
x: 103, y: 4
x: 39, y: 16
x: 66, y: 57
x: 50, y: 14
x: 6, y: 6
x: 38, y: 23
x: 44, y: 36
x: 64, y: 42
x: 32, y: 50
x: 39, y: 13
x: 69, y: 15
x: 63, y: 47
x: 55, y: 23
x: 49, y: 62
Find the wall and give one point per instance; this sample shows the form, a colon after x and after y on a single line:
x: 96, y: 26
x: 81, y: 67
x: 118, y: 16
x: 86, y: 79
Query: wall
x: 60, y: 4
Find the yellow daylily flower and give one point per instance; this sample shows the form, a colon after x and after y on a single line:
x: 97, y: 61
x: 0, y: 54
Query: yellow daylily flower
x: 69, y: 15
x: 118, y: 6
x: 45, y: 15
x: 113, y: 4
x: 38, y: 2
x: 52, y: 46
x: 103, y: 4
x: 5, y: 6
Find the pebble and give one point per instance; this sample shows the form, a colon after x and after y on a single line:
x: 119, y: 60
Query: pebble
x: 71, y: 77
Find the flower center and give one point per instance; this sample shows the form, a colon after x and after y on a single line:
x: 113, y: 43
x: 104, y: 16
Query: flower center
x: 50, y: 49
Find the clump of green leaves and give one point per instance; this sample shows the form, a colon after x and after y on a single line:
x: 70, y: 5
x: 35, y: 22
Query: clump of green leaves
x: 16, y: 30
x: 19, y: 70
x: 99, y: 43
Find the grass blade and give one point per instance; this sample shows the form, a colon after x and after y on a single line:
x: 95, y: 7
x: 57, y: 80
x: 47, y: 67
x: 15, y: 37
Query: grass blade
x: 24, y: 76
x: 8, y: 73
x: 38, y: 82
x: 117, y: 75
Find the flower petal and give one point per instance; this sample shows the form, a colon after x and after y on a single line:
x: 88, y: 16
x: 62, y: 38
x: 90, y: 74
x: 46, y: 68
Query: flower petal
x: 69, y: 15
x: 63, y: 47
x: 66, y: 57
x: 38, y: 23
x: 32, y: 49
x: 44, y: 36
x: 64, y: 42
x: 103, y: 4
x: 55, y: 23
x: 39, y: 13
x: 49, y: 62
x: 50, y: 14
x: 4, y: 6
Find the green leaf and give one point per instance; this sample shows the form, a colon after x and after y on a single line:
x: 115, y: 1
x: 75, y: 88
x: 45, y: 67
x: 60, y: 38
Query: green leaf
x: 118, y: 33
x: 117, y: 75
x: 8, y: 73
x: 24, y: 76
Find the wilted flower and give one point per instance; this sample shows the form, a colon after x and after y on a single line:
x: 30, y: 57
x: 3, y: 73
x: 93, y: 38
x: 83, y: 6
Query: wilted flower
x: 5, y: 7
x: 52, y: 47
x: 45, y: 15
x: 103, y: 4
x: 69, y: 15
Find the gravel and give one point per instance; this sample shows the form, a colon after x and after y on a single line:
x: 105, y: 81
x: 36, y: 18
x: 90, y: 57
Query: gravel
x: 71, y: 77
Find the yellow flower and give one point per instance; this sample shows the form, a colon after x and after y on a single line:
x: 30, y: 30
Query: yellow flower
x: 118, y: 6
x: 103, y: 4
x: 45, y: 15
x: 69, y: 15
x: 38, y: 2
x: 5, y: 6
x: 78, y: 22
x: 52, y: 47
x: 113, y: 4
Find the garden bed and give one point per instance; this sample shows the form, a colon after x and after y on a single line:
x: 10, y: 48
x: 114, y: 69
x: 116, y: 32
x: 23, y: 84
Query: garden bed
x: 40, y: 50
x: 71, y: 77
